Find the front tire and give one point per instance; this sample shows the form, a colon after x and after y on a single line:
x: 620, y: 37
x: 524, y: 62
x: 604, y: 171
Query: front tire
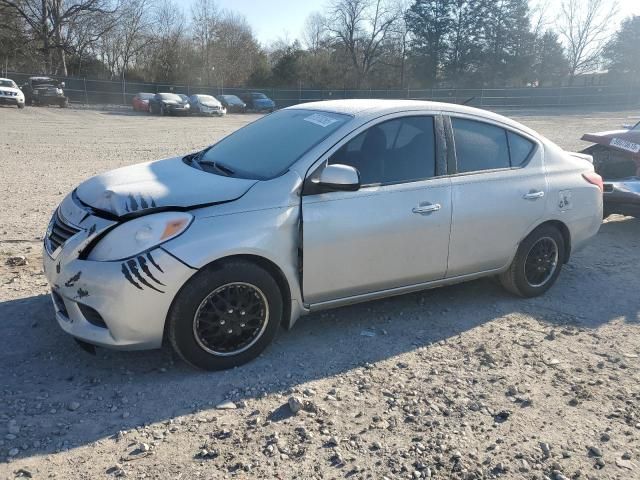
x: 225, y: 315
x: 537, y: 263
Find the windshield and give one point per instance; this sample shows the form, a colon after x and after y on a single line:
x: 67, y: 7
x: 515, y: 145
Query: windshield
x: 258, y: 95
x: 7, y: 83
x: 145, y: 96
x: 44, y: 82
x: 206, y: 98
x: 170, y: 96
x: 231, y: 99
x: 636, y: 128
x: 267, y: 147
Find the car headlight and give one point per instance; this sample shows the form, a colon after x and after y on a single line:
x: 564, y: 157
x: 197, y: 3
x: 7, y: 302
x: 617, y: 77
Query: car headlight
x: 139, y: 235
x: 59, y: 91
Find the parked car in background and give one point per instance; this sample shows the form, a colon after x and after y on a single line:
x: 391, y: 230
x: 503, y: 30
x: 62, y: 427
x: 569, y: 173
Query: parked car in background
x: 10, y: 94
x: 44, y: 91
x: 616, y: 156
x: 140, y: 102
x: 258, y: 102
x: 232, y: 103
x: 350, y: 201
x: 206, y: 105
x: 169, y: 104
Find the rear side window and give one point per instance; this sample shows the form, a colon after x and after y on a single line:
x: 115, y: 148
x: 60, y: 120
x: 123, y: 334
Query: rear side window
x: 482, y: 146
x: 479, y: 146
x: 519, y: 148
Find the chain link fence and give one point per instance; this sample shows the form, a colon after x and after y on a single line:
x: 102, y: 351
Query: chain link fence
x: 91, y: 92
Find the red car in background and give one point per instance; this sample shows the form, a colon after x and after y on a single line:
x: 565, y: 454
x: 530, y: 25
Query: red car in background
x: 140, y: 102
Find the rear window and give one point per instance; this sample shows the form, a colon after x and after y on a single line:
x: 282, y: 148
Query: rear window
x: 267, y: 147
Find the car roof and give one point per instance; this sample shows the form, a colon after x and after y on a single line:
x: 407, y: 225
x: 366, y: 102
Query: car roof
x: 373, y: 108
x: 7, y: 79
x: 40, y: 78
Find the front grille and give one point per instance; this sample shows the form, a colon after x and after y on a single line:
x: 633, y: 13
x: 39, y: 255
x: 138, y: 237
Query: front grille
x: 60, y: 232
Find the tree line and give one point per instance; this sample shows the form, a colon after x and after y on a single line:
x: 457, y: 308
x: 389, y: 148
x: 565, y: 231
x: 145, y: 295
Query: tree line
x: 351, y: 44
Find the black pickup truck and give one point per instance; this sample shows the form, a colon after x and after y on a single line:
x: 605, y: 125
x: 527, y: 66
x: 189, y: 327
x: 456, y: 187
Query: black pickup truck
x: 44, y: 91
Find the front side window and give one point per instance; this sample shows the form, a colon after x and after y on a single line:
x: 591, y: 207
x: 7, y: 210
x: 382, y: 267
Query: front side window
x: 267, y: 147
x: 482, y: 146
x: 395, y: 151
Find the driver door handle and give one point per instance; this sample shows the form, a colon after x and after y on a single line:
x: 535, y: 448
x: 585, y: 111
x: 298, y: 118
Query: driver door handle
x: 533, y: 195
x: 426, y: 208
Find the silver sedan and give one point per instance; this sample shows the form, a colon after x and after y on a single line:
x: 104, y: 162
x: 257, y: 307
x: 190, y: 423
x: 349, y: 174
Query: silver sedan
x: 312, y: 207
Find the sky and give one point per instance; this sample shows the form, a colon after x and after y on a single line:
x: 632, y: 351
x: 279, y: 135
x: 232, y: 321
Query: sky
x: 275, y: 19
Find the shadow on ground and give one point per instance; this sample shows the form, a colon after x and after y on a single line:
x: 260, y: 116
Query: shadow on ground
x: 45, y: 372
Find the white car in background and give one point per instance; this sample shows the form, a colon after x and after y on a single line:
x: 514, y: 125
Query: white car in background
x: 206, y: 105
x: 10, y: 94
x: 312, y: 207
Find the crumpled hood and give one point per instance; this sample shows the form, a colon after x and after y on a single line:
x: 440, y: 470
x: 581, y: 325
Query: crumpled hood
x: 624, y: 140
x: 158, y: 185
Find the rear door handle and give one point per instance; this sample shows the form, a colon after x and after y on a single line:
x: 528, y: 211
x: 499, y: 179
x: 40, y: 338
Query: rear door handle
x: 425, y: 209
x: 533, y: 195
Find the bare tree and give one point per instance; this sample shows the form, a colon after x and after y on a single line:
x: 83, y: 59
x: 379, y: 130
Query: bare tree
x: 204, y: 24
x: 50, y: 22
x: 169, y: 28
x: 314, y: 33
x: 584, y: 27
x: 361, y: 27
x: 236, y: 50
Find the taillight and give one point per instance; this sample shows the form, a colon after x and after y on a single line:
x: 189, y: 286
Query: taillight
x: 594, y: 179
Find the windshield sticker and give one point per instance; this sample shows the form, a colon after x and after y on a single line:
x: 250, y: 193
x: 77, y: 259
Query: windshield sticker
x: 319, y: 119
x: 625, y: 145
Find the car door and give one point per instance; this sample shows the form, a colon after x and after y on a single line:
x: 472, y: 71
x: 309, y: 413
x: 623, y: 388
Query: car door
x: 499, y: 193
x: 394, y: 230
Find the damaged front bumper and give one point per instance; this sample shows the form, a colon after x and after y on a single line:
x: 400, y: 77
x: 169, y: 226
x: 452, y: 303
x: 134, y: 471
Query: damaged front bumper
x: 120, y: 304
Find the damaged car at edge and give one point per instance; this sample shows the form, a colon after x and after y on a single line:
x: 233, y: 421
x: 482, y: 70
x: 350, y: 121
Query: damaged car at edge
x: 616, y: 157
x: 313, y: 207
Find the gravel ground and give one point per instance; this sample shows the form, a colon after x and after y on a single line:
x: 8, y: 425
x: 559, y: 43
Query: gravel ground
x: 458, y: 382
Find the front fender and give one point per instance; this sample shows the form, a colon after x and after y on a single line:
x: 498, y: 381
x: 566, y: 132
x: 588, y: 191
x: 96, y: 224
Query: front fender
x: 271, y: 234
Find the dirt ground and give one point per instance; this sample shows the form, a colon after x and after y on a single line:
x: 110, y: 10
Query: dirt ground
x: 458, y: 382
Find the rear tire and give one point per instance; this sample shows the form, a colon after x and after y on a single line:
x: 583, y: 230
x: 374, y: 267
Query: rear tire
x: 537, y: 263
x: 237, y: 295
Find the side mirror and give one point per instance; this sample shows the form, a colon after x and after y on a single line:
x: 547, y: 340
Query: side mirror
x: 338, y: 177
x: 62, y: 85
